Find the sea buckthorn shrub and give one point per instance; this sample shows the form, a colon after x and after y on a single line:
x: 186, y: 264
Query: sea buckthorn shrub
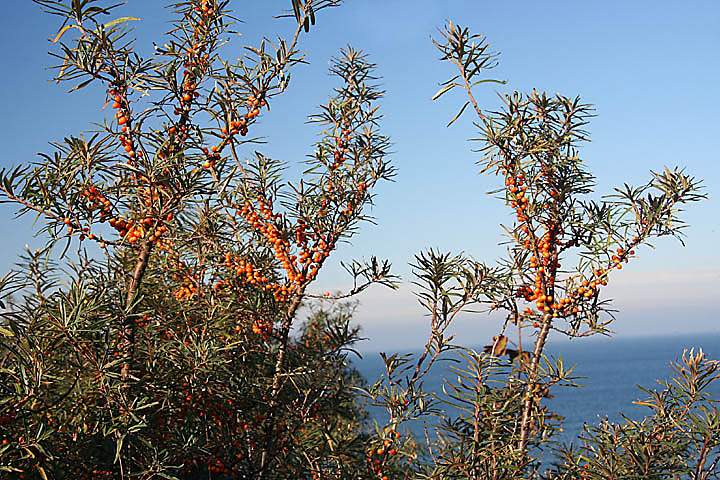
x: 564, y: 246
x: 169, y: 329
x: 159, y: 334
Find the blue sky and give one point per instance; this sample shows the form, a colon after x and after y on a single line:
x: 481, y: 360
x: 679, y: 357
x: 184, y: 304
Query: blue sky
x: 652, y: 69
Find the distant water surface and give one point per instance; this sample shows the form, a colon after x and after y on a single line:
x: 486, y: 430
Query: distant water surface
x: 611, y: 370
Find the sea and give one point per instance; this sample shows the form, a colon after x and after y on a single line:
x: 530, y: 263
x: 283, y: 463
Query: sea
x: 608, y: 370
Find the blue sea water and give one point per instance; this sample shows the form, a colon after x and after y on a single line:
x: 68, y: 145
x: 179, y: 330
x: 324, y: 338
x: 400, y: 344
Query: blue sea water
x: 611, y: 369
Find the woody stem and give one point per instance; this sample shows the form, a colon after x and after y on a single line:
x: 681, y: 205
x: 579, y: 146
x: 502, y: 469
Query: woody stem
x: 276, y: 386
x: 532, y: 381
x: 280, y: 359
x: 138, y: 272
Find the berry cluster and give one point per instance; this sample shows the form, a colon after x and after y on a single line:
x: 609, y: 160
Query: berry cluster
x: 544, y: 259
x: 311, y: 257
x: 185, y: 276
x: 132, y: 230
x: 378, y: 457
x: 545, y: 265
x: 262, y: 328
x: 247, y: 274
x: 97, y: 201
x: 516, y: 189
x: 189, y: 89
x: 196, y: 63
x: 186, y: 291
x: 254, y: 103
x: 234, y: 127
x: 588, y: 288
x: 299, y: 268
x: 264, y: 221
x: 341, y: 149
x: 339, y: 157
x: 245, y: 270
x: 212, y: 155
x: 206, y: 8
x: 197, y: 59
x: 118, y: 95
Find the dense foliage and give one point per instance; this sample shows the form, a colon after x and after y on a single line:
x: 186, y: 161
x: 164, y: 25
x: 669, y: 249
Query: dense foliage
x: 169, y: 328
x: 169, y: 352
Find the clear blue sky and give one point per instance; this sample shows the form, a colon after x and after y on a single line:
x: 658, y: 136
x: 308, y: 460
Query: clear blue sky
x: 652, y: 68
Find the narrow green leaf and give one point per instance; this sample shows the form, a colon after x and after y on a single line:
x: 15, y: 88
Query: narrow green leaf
x: 444, y: 90
x: 120, y: 20
x: 489, y: 80
x: 296, y: 9
x: 462, y: 110
x: 61, y: 33
x: 81, y: 85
